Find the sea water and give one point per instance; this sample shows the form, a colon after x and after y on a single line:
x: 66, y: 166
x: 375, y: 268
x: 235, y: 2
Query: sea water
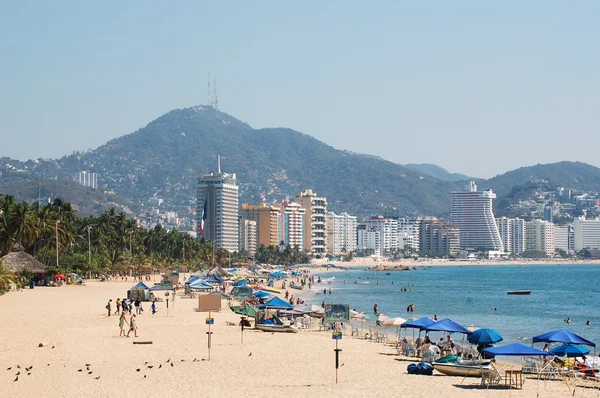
x: 467, y: 295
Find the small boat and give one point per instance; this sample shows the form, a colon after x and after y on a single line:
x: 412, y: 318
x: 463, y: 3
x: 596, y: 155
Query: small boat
x: 453, y: 365
x: 294, y: 286
x: 520, y: 292
x: 275, y: 328
x: 270, y: 289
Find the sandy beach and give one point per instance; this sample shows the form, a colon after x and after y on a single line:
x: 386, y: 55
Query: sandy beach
x: 73, y: 321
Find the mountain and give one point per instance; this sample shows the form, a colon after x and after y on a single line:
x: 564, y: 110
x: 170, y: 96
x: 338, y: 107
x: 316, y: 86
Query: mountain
x: 575, y: 175
x: 164, y: 158
x: 437, y: 172
x: 86, y: 201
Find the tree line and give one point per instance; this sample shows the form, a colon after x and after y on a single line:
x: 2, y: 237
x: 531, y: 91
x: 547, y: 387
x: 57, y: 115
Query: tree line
x: 109, y: 243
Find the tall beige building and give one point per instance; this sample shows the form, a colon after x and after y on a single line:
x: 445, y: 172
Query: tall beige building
x: 292, y: 221
x: 315, y: 229
x: 540, y: 236
x: 341, y: 233
x: 268, y: 222
x: 248, y: 236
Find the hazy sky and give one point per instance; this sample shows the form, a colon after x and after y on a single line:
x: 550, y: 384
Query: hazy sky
x: 477, y: 87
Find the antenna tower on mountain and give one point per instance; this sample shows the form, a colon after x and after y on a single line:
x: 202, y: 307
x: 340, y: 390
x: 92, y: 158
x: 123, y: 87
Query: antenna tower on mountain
x: 208, y: 100
x: 216, y: 98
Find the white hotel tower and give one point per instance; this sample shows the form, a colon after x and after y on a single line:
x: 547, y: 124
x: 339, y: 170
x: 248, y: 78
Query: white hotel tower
x: 472, y: 213
x: 217, y: 208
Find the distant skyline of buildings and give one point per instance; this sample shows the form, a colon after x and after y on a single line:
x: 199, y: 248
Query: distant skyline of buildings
x: 304, y: 223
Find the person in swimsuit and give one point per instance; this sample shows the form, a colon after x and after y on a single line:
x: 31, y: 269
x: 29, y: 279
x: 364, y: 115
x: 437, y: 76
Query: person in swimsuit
x: 132, y: 326
x: 122, y: 322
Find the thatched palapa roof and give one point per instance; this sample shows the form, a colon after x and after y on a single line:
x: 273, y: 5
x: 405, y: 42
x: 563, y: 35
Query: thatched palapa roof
x: 18, y: 261
x: 218, y: 271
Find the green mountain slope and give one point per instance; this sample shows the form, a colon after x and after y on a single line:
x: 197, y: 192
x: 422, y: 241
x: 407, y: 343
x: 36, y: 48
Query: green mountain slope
x: 164, y: 158
x: 576, y: 175
x: 437, y: 172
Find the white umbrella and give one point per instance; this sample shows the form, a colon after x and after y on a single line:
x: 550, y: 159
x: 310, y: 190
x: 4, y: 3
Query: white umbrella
x: 397, y: 323
x: 394, y: 322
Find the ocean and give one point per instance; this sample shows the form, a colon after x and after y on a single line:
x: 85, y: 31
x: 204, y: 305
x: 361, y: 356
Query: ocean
x: 467, y: 295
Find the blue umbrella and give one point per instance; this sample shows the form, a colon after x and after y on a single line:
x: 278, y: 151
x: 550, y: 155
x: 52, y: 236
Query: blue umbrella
x: 447, y: 325
x: 516, y: 349
x: 484, y: 336
x: 570, y: 351
x: 562, y: 336
x: 418, y: 323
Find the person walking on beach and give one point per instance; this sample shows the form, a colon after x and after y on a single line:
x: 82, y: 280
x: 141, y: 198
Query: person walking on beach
x: 132, y: 326
x: 137, y: 306
x: 118, y: 305
x: 122, y: 322
x: 109, y: 306
x: 375, y: 308
x: 153, y: 308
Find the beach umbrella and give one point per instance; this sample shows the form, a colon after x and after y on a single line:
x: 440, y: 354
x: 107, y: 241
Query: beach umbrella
x: 447, y: 325
x: 421, y: 323
x: 484, y: 336
x: 311, y: 308
x: 569, y: 350
x: 516, y: 349
x: 59, y: 276
x: 394, y: 322
x: 562, y: 336
x: 381, y: 318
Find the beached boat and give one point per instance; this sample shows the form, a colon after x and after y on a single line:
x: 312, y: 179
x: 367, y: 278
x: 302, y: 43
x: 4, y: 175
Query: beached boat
x: 453, y: 365
x: 275, y: 328
x: 294, y: 286
x: 269, y: 289
x: 520, y: 292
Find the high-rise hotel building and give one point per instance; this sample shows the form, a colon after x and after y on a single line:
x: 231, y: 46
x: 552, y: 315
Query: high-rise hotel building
x: 341, y: 233
x: 315, y: 227
x: 471, y: 211
x: 512, y: 232
x: 217, y: 210
x: 268, y: 222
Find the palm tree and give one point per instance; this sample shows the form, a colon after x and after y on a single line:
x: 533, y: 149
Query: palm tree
x: 7, y: 277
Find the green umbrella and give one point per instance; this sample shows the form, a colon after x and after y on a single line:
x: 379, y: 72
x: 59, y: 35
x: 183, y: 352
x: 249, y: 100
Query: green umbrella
x: 248, y: 310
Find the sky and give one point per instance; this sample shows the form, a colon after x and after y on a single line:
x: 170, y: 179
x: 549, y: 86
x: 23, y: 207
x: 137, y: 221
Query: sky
x: 476, y: 87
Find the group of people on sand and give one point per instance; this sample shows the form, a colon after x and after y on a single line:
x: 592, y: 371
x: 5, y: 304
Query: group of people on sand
x: 125, y: 307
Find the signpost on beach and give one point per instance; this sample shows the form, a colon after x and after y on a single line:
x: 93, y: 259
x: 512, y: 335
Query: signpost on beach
x: 209, y: 303
x: 335, y: 312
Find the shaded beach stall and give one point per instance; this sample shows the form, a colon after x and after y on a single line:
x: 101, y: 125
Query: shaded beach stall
x: 18, y: 261
x: 139, y: 292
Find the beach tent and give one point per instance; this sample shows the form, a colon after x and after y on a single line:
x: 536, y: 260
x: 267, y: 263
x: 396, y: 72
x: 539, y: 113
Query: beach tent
x: 218, y: 272
x: 161, y: 288
x: 420, y: 324
x: 139, y: 292
x: 570, y: 351
x: 192, y: 280
x: 276, y: 303
x: 562, y: 336
x: 261, y: 294
x: 516, y: 349
x: 213, y: 279
x: 200, y: 285
x: 447, y: 325
x: 241, y: 282
x: 484, y: 336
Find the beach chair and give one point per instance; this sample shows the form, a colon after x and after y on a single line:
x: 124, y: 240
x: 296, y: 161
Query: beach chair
x: 354, y: 331
x: 491, y: 378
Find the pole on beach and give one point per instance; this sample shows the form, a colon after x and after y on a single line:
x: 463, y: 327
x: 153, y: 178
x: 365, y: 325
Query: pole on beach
x: 337, y: 336
x: 209, y: 321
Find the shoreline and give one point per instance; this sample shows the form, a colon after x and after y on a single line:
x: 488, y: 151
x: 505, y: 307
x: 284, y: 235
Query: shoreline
x: 388, y: 265
x: 73, y: 322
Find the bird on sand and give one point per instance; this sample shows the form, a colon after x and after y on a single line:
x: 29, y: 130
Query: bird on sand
x: 17, y: 378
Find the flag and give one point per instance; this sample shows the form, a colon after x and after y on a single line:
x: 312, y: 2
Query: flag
x: 201, y: 225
